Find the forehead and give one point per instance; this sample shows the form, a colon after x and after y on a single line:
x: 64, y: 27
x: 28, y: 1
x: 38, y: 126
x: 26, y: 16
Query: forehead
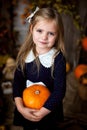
x: 46, y: 24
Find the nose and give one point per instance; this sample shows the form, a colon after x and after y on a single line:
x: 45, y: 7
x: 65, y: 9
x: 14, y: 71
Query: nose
x: 44, y: 36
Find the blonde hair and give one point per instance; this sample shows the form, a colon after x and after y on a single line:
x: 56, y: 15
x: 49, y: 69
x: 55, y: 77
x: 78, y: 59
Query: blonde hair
x: 44, y: 13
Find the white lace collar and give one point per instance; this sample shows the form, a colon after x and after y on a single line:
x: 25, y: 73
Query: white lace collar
x: 45, y: 59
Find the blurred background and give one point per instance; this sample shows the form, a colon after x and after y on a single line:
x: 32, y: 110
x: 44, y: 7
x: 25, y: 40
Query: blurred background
x: 13, y: 29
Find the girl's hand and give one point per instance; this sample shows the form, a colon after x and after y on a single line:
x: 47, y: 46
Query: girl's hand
x: 30, y: 114
x: 26, y: 112
x: 41, y: 113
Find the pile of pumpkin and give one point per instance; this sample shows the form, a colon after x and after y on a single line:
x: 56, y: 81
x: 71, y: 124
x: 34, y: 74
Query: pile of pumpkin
x: 80, y: 73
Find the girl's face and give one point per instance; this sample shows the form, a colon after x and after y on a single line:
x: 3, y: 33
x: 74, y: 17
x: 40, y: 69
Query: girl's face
x: 44, y: 34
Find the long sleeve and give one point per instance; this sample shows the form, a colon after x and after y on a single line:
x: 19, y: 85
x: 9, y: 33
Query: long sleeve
x: 19, y: 83
x: 59, y: 83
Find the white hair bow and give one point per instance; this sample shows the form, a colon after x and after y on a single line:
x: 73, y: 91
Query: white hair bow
x: 32, y: 14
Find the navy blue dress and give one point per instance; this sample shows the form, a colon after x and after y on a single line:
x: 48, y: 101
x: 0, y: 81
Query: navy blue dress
x: 56, y: 84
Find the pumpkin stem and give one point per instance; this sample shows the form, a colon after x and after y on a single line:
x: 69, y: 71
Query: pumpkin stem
x: 37, y: 92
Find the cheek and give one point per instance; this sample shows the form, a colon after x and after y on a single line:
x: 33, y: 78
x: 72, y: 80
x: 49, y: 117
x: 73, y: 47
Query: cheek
x: 34, y: 37
x: 53, y: 40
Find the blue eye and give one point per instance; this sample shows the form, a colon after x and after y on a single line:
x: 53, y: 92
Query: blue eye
x: 50, y: 33
x: 39, y: 30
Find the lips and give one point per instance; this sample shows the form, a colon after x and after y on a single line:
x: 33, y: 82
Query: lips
x: 42, y: 42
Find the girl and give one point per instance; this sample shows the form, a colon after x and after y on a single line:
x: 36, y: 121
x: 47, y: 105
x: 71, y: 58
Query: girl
x: 41, y: 60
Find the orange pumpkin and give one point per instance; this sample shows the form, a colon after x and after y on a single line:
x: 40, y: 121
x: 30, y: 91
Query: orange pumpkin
x: 80, y: 70
x: 82, y: 91
x: 35, y: 96
x: 83, y: 79
x: 84, y: 43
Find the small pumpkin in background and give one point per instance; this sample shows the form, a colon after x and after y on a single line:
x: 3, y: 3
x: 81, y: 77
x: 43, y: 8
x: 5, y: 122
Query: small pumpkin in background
x: 83, y: 79
x: 80, y: 70
x: 82, y: 89
x: 84, y: 43
x: 35, y: 96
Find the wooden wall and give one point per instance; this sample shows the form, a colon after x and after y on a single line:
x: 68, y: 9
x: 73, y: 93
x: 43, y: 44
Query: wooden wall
x: 73, y: 35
